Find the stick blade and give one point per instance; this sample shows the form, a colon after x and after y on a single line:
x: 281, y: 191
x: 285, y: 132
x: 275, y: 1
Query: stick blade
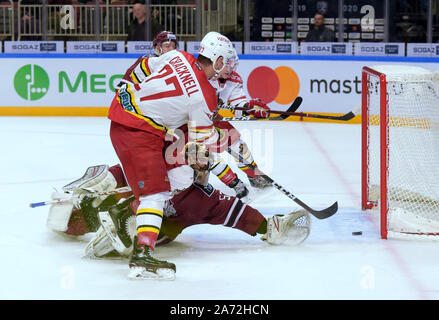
x: 294, y: 106
x: 325, y: 213
x: 348, y: 116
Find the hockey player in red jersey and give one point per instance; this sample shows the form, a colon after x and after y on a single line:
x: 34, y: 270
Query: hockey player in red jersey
x: 163, y: 42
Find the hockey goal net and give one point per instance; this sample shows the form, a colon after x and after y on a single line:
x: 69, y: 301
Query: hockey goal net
x: 400, y: 150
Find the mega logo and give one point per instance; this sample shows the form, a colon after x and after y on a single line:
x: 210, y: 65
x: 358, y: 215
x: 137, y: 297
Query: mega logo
x: 31, y: 82
x: 280, y: 85
x: 95, y: 83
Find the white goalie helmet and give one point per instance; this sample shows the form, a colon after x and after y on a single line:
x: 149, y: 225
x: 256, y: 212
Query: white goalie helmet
x: 215, y: 45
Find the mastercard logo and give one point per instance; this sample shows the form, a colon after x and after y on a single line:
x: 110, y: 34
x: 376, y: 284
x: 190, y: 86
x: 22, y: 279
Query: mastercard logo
x: 280, y: 85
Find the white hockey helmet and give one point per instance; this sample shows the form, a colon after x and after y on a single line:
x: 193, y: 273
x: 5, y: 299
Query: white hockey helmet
x: 215, y: 45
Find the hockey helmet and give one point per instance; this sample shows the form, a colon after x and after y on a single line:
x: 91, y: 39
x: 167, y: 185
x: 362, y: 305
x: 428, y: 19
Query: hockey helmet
x: 215, y: 45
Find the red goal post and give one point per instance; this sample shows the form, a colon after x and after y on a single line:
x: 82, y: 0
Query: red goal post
x: 366, y: 203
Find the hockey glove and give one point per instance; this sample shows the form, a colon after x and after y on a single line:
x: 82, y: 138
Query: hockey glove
x: 258, y: 108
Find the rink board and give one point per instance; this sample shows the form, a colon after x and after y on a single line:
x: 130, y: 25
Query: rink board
x: 83, y: 85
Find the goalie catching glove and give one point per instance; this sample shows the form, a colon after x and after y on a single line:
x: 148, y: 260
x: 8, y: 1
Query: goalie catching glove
x: 258, y: 109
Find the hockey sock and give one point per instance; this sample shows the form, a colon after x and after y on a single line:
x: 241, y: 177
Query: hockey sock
x: 149, y: 216
x: 245, y: 156
x: 223, y: 172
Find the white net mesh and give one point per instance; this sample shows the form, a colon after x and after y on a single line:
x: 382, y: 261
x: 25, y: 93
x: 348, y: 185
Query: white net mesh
x: 413, y: 149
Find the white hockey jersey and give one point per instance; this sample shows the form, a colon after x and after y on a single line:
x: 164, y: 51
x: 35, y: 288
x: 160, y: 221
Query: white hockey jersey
x: 231, y: 91
x: 176, y: 92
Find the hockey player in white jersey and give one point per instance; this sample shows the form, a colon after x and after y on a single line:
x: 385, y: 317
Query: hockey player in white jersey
x: 151, y: 66
x: 177, y: 92
x: 229, y: 87
x: 164, y: 42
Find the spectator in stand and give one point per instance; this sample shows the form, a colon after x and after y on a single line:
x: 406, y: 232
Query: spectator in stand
x: 320, y: 33
x: 29, y: 20
x: 136, y: 30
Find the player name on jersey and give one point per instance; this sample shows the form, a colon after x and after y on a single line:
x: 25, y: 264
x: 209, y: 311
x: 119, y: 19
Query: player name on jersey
x: 140, y: 47
x: 95, y: 46
x: 379, y: 49
x: 326, y: 48
x: 193, y: 46
x: 184, y: 75
x: 422, y: 50
x: 270, y: 48
x: 34, y: 46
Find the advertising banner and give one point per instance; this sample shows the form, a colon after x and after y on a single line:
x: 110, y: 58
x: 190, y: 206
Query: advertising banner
x: 422, y: 50
x: 34, y: 46
x: 140, y: 47
x: 90, y: 82
x: 60, y: 82
x: 95, y: 46
x: 270, y: 48
x: 326, y: 48
x: 379, y: 49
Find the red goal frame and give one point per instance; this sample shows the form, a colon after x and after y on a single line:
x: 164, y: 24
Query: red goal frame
x: 367, y: 73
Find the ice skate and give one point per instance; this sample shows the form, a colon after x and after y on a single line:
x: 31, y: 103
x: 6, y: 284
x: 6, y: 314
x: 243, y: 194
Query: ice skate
x: 144, y: 266
x: 292, y: 228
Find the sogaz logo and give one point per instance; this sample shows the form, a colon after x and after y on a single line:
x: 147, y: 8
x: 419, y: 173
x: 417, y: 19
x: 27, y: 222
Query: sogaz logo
x: 31, y: 82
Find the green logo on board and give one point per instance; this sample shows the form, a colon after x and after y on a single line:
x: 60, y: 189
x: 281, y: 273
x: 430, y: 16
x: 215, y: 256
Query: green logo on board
x: 31, y: 82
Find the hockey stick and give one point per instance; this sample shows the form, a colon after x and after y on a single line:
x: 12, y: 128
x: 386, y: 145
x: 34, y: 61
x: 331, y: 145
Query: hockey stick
x: 294, y: 106
x: 96, y: 194
x: 319, y: 214
x: 345, y: 117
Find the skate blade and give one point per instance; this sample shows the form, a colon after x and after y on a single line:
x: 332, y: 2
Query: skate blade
x: 142, y: 274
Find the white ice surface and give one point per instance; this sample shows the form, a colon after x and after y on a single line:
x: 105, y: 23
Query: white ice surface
x: 319, y: 163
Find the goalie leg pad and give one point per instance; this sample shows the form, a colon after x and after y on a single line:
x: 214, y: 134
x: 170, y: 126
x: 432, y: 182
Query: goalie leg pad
x: 111, y: 232
x: 92, y: 176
